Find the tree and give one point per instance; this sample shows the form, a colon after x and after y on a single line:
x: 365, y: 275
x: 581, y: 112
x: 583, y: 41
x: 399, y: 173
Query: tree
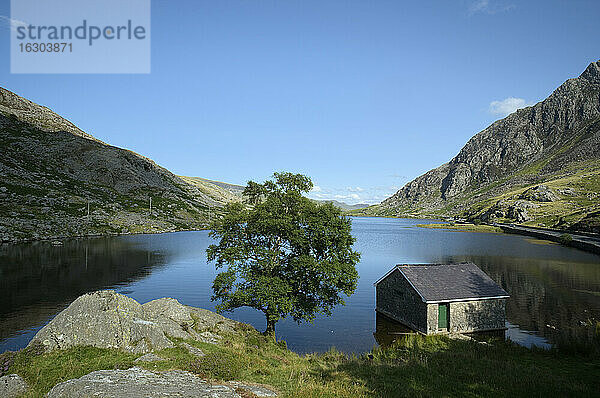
x: 283, y: 254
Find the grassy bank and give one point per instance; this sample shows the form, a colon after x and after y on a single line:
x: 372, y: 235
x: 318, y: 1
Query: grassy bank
x: 463, y: 227
x: 414, y: 366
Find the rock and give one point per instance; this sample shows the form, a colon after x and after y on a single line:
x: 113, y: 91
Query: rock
x: 503, y: 209
x: 141, y: 383
x: 149, y: 358
x: 106, y: 319
x: 567, y: 191
x: 12, y: 386
x: 197, y: 352
x: 541, y: 193
x: 256, y: 389
x: 210, y: 338
x: 518, y: 211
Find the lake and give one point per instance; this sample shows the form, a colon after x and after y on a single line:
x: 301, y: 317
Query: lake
x: 554, y: 290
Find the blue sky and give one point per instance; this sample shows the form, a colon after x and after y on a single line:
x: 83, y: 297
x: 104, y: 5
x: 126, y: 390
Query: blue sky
x: 361, y: 96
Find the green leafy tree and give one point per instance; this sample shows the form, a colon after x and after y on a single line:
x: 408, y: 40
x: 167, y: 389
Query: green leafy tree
x: 282, y: 253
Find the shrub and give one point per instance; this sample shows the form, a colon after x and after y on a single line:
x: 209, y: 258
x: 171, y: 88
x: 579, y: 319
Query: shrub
x: 565, y: 239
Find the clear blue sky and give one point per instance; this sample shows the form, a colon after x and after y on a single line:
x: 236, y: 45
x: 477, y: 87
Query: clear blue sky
x: 361, y: 95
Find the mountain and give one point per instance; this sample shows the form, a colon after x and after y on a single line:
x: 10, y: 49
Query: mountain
x: 50, y: 171
x: 344, y: 206
x: 539, y: 165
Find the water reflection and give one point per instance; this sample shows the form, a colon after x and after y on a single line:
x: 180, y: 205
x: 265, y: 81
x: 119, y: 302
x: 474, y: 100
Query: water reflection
x: 388, y: 330
x: 554, y: 290
x: 37, y: 280
x: 555, y: 298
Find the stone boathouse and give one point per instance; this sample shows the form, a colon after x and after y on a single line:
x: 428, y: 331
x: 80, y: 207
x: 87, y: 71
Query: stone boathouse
x: 439, y: 298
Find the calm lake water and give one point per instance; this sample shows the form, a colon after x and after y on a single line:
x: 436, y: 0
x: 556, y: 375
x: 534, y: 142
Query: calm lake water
x: 553, y: 289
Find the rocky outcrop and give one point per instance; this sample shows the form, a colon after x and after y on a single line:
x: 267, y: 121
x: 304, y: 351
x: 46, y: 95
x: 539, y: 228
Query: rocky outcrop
x: 12, y: 386
x: 141, y: 383
x: 106, y: 319
x: 515, y: 211
x: 540, y: 193
x: 521, y: 149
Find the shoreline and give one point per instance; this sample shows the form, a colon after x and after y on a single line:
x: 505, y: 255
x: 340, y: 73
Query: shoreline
x: 66, y: 237
x: 213, y: 349
x: 467, y: 227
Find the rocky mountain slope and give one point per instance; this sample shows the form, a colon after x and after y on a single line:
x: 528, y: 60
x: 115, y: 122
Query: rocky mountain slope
x: 539, y: 165
x: 51, y: 172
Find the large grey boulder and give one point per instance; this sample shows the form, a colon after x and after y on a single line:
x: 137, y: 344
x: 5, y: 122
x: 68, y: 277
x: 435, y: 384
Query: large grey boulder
x: 141, y: 383
x: 106, y: 319
x: 12, y: 386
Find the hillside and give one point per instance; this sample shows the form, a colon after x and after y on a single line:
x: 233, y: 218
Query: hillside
x: 222, y: 190
x: 539, y: 165
x: 50, y: 171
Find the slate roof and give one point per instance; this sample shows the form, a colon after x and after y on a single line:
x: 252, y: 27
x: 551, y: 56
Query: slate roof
x: 450, y: 282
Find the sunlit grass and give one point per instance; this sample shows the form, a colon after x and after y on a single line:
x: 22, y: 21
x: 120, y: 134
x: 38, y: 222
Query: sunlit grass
x: 413, y: 366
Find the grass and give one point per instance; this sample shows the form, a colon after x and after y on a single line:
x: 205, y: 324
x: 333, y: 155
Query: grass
x: 582, y: 178
x: 43, y: 370
x: 414, y: 366
x: 463, y: 227
x: 540, y: 241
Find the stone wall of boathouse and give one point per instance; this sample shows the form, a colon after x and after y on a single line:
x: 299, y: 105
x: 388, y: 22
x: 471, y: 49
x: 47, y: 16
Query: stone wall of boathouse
x: 470, y: 316
x: 397, y: 299
x: 479, y: 315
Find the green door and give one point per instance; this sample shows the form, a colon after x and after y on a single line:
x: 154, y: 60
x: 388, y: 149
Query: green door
x: 443, y: 316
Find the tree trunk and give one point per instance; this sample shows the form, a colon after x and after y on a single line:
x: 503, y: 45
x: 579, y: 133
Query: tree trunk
x: 270, y: 326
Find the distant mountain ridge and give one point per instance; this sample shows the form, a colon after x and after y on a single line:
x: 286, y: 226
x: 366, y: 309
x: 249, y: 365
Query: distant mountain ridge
x: 50, y: 171
x: 344, y: 206
x: 555, y: 143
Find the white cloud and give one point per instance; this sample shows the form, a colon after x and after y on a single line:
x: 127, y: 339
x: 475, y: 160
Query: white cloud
x: 13, y: 24
x: 349, y: 196
x: 354, y: 195
x: 507, y: 106
x: 316, y: 188
x: 479, y: 6
x: 354, y: 189
x: 488, y: 7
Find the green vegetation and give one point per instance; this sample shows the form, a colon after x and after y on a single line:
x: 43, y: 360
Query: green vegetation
x: 565, y: 239
x: 44, y: 370
x: 463, y: 227
x: 415, y: 366
x: 540, y: 241
x: 285, y: 255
